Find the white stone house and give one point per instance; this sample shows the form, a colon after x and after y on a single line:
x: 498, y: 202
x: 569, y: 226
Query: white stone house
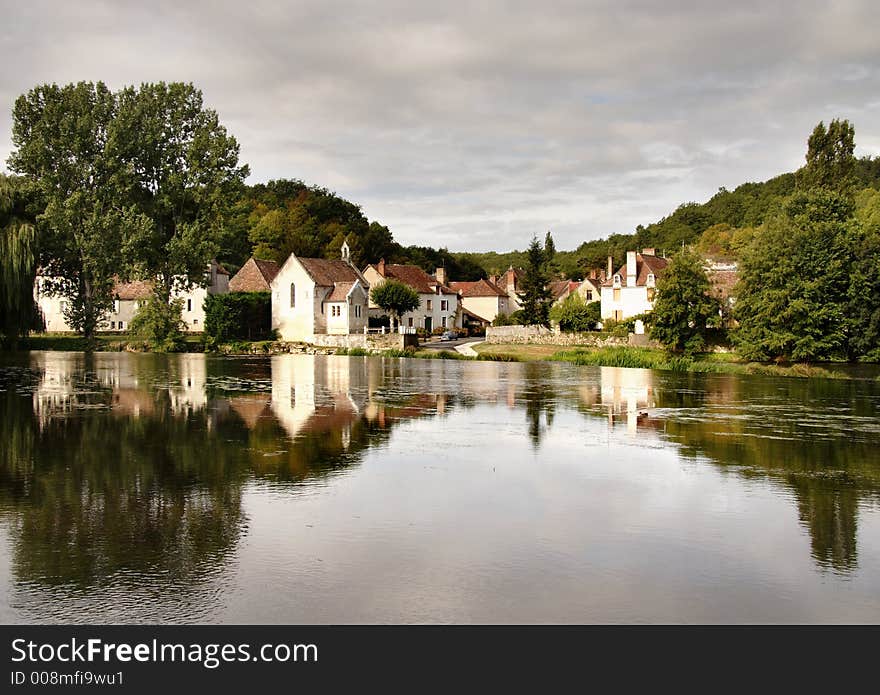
x: 312, y: 296
x: 127, y: 300
x: 631, y: 289
x: 439, y: 305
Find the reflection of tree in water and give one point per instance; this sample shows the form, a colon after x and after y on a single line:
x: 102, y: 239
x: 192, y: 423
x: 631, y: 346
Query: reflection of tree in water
x: 540, y: 398
x: 93, y: 496
x: 785, y: 429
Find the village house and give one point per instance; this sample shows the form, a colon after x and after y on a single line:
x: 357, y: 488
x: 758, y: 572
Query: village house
x: 254, y: 276
x: 631, y: 289
x: 482, y: 300
x: 510, y: 282
x: 127, y: 300
x: 439, y: 306
x: 312, y: 296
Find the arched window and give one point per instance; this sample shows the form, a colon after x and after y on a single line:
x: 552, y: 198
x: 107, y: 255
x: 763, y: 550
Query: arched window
x: 292, y: 295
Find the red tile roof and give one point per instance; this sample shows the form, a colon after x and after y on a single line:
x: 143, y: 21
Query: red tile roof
x: 645, y: 265
x: 327, y: 273
x: 413, y: 276
x: 340, y: 292
x: 479, y: 288
x: 255, y: 276
x: 139, y: 289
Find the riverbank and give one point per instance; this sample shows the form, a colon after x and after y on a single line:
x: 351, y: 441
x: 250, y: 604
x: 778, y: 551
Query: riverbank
x: 614, y: 356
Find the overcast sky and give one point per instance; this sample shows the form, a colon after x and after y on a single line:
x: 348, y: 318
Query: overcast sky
x: 473, y: 126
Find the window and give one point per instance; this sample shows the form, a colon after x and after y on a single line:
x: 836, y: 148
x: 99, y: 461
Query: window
x: 618, y: 315
x: 195, y: 322
x: 409, y: 322
x: 444, y: 305
x: 113, y: 325
x: 121, y: 325
x: 617, y: 279
x: 292, y: 295
x: 189, y: 304
x: 616, y: 294
x: 589, y: 295
x: 443, y: 322
x: 357, y: 310
x: 651, y: 292
x: 115, y: 306
x: 430, y: 305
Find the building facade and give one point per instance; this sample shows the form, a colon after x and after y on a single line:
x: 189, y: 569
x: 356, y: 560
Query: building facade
x: 631, y: 289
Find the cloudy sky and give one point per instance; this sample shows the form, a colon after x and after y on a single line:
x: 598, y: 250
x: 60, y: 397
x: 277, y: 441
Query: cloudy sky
x: 473, y: 126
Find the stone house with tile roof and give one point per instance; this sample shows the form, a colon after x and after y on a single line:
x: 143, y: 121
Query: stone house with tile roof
x: 314, y: 296
x: 630, y: 290
x: 439, y: 306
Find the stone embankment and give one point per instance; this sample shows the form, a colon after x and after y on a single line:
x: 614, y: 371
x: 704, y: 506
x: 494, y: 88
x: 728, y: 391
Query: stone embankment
x: 539, y: 335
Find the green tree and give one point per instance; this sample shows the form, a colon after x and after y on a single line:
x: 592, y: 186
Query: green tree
x: 573, y: 314
x: 62, y: 140
x: 395, y: 298
x: 181, y: 168
x: 535, y: 297
x: 830, y: 161
x: 17, y: 262
x: 794, y: 279
x: 684, y: 306
x: 550, y: 255
x: 160, y: 324
x: 863, y: 294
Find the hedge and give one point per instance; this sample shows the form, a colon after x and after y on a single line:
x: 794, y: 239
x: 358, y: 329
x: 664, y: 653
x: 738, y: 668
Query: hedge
x: 238, y: 316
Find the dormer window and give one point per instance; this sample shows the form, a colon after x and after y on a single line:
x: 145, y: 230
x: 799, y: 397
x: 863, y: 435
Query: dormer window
x: 616, y: 278
x: 650, y: 279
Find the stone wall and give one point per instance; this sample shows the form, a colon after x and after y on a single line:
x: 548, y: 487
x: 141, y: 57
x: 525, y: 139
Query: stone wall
x: 372, y: 341
x: 539, y: 335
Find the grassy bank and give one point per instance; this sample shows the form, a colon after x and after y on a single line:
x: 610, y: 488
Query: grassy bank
x: 68, y: 342
x: 647, y: 358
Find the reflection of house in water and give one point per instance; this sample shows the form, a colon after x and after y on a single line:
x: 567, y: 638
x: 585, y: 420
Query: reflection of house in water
x: 187, y: 379
x: 309, y: 394
x: 627, y: 394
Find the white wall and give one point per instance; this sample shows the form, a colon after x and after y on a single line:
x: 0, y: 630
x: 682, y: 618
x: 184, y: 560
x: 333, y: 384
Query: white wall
x: 295, y: 323
x: 632, y: 302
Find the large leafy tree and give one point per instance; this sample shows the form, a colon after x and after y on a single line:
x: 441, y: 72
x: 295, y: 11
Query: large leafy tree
x: 17, y: 261
x: 534, y: 296
x: 684, y: 307
x: 180, y: 166
x: 863, y: 297
x: 830, y: 161
x: 62, y: 140
x: 794, y: 280
x: 395, y: 298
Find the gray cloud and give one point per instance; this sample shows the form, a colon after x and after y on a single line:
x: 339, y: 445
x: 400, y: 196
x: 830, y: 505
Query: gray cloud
x: 475, y: 125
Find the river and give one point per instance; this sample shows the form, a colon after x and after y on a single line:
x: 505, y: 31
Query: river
x: 312, y: 489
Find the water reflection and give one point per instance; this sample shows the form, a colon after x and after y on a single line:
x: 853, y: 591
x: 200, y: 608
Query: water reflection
x: 123, y: 478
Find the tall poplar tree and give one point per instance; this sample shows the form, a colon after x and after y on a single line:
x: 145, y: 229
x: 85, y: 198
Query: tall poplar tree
x: 534, y: 297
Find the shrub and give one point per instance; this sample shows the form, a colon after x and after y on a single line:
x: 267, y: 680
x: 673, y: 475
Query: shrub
x: 160, y: 324
x: 237, y: 316
x: 574, y: 315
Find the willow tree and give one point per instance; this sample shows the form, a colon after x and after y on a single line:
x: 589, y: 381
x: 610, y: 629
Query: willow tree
x: 17, y: 262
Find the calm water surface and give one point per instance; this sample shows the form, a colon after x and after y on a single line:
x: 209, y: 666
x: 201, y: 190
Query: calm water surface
x: 186, y: 488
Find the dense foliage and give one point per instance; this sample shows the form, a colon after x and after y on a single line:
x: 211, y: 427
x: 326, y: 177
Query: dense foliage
x: 574, y: 315
x: 17, y: 262
x: 237, y: 316
x: 160, y: 324
x: 684, y: 308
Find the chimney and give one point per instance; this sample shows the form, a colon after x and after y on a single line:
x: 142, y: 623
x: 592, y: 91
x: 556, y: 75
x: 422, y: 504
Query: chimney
x: 440, y: 275
x: 380, y: 266
x: 630, y: 268
x: 649, y: 252
x: 610, y: 266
